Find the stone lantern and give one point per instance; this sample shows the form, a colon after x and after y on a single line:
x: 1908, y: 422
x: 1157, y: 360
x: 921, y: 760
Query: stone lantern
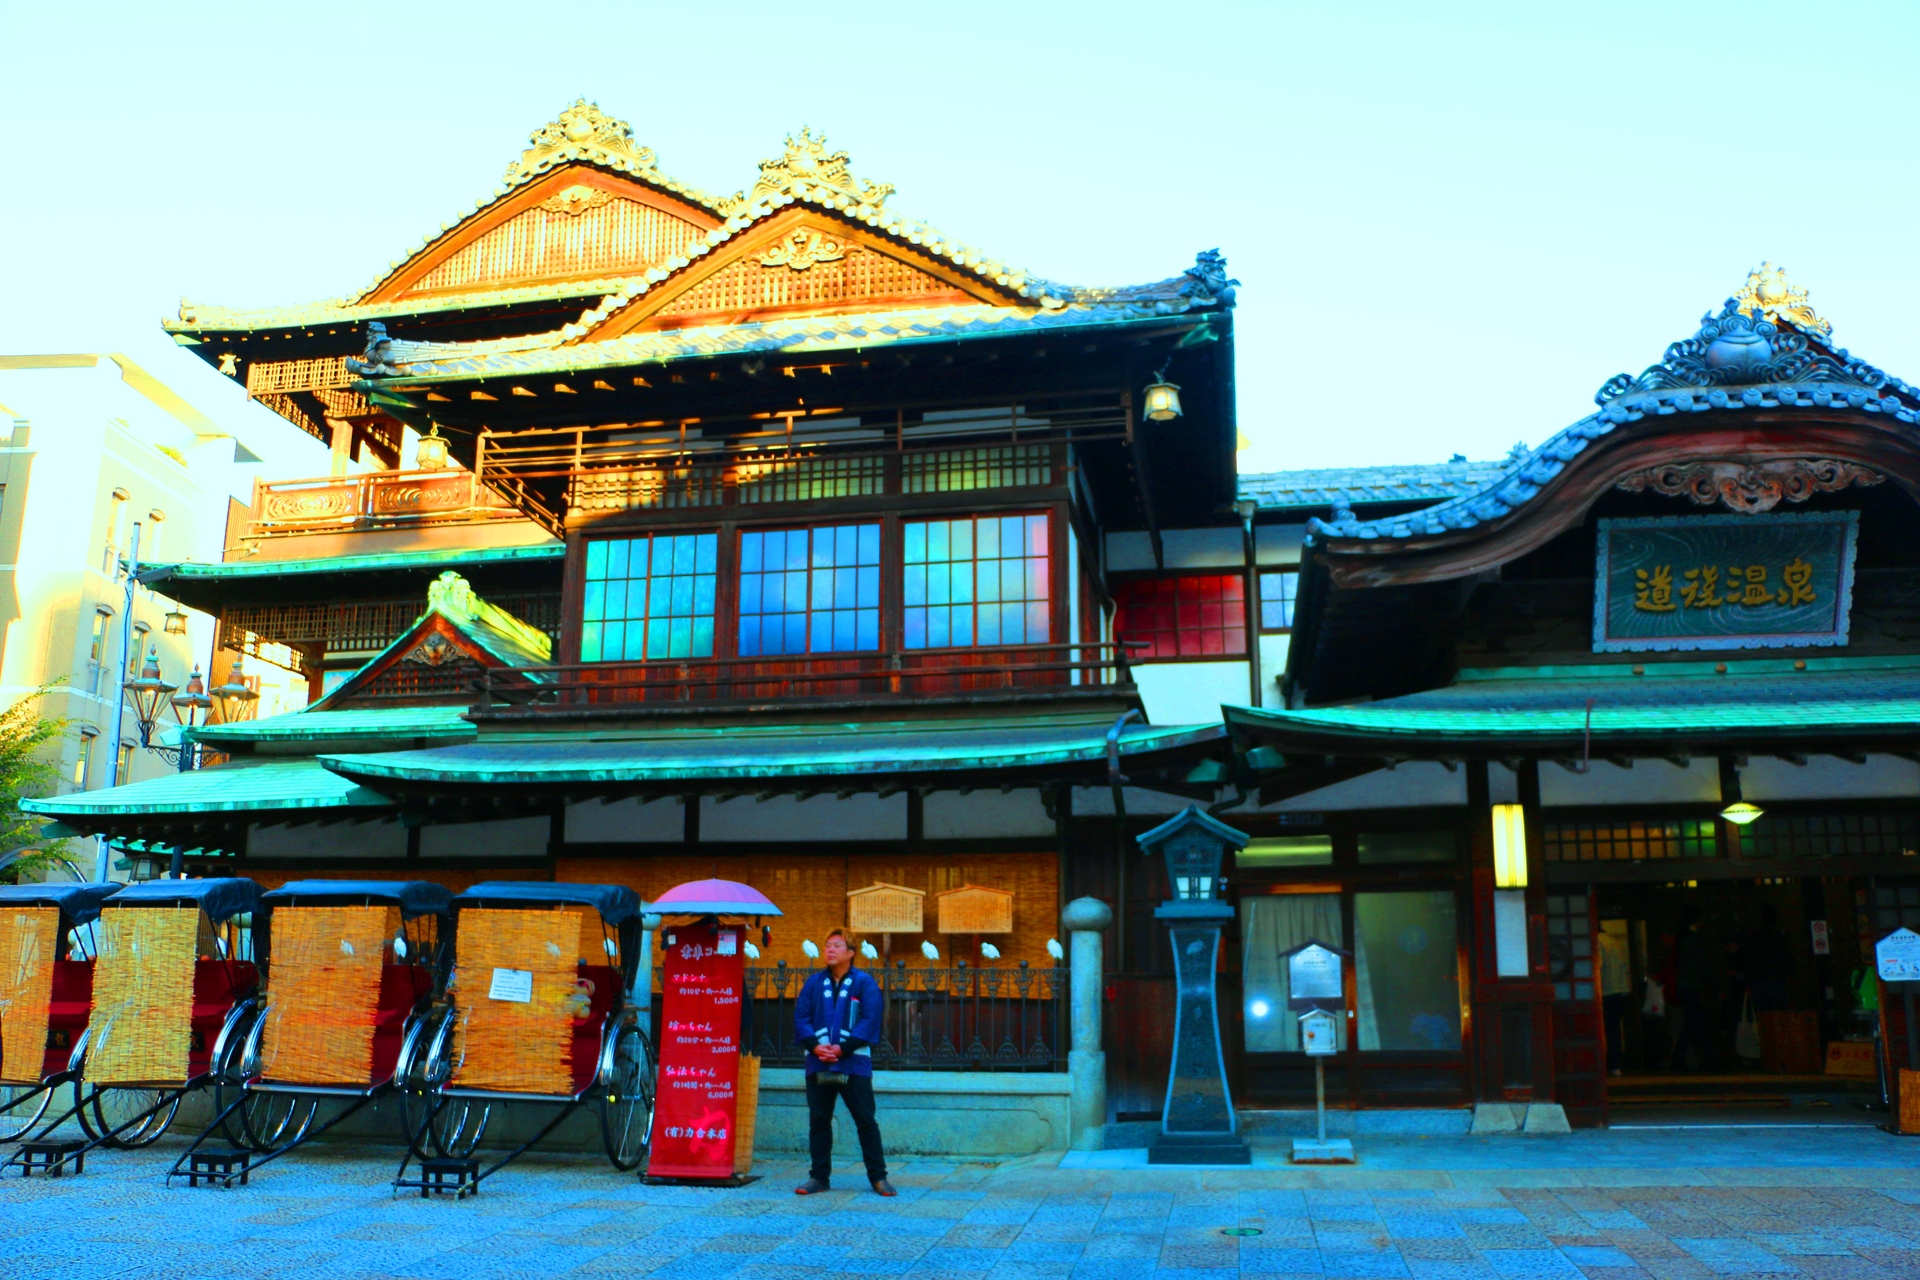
x: 1197, y: 1125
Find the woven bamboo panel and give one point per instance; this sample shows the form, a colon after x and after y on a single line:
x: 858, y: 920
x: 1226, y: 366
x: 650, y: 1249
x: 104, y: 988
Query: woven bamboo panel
x: 859, y: 275
x: 143, y: 995
x: 29, y: 944
x: 324, y: 993
x: 504, y: 1044
x: 587, y: 235
x: 812, y: 892
x: 746, y: 1112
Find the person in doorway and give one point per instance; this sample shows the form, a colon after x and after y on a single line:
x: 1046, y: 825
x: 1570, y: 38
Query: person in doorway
x: 1692, y: 979
x: 1766, y: 962
x: 837, y: 1020
x: 1616, y: 990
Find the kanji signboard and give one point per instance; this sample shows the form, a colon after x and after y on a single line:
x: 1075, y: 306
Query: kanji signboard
x: 697, y: 1095
x: 1780, y: 580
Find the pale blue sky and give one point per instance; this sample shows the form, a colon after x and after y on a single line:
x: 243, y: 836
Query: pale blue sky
x: 1452, y: 222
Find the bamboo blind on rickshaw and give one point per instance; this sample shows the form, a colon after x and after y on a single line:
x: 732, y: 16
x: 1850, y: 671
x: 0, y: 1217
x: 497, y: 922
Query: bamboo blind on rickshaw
x: 323, y: 995
x: 511, y: 1045
x: 143, y: 995
x: 29, y: 942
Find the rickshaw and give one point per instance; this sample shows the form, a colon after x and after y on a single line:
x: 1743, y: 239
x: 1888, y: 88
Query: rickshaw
x: 541, y: 1007
x: 173, y: 998
x: 351, y: 968
x: 46, y: 994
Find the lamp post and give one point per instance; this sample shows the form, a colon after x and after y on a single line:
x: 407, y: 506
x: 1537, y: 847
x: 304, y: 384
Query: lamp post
x: 192, y: 708
x: 1198, y: 1124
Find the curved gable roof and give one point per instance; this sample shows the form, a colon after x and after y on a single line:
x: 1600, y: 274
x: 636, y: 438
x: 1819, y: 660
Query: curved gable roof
x: 1765, y: 360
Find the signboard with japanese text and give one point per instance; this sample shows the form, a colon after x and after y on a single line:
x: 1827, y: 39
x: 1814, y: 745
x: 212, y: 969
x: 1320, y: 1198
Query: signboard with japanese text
x: 704, y: 974
x: 1313, y: 975
x: 1897, y: 956
x: 1774, y: 581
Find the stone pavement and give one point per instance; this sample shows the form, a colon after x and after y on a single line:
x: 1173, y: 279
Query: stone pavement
x: 1829, y: 1203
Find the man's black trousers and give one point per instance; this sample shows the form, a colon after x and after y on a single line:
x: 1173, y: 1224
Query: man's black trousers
x: 858, y: 1092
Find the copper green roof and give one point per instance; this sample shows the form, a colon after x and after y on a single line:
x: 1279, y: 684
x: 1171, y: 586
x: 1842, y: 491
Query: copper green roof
x: 263, y: 785
x: 446, y: 558
x: 720, y: 754
x: 1664, y: 709
x: 310, y: 726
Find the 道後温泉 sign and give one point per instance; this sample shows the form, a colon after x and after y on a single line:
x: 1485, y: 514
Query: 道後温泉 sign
x: 1781, y: 580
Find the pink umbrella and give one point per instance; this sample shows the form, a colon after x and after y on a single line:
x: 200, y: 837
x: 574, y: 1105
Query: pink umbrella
x: 713, y: 898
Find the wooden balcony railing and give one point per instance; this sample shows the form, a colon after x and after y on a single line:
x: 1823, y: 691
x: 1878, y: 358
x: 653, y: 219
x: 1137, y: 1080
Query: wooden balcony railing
x: 983, y: 673
x: 372, y: 500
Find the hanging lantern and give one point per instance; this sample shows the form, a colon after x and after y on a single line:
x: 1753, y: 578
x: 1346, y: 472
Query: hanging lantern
x: 236, y: 697
x: 430, y: 451
x: 1162, y: 401
x: 146, y: 693
x: 1740, y: 813
x: 1509, y: 846
x: 176, y: 623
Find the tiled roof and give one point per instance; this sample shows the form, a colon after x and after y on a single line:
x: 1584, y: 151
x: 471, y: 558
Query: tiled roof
x: 442, y: 558
x: 362, y: 725
x: 1749, y: 357
x: 1431, y: 482
x: 547, y: 353
x: 736, y: 754
x: 1653, y: 708
x: 268, y: 784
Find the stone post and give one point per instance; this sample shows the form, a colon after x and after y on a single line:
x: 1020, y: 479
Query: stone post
x: 1086, y: 920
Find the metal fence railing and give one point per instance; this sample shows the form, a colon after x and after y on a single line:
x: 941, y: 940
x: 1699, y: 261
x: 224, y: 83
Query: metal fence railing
x: 961, y: 1019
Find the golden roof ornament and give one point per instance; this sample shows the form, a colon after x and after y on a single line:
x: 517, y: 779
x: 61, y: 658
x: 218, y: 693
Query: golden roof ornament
x: 583, y: 132
x: 808, y: 171
x: 1767, y: 292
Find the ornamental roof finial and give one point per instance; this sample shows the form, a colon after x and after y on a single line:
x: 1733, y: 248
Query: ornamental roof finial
x: 582, y: 132
x: 1767, y: 292
x: 808, y: 171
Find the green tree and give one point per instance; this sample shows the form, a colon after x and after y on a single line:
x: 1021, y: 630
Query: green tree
x: 27, y: 773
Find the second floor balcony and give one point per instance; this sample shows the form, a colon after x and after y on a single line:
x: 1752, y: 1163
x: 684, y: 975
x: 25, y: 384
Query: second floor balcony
x: 1027, y: 672
x: 374, y: 500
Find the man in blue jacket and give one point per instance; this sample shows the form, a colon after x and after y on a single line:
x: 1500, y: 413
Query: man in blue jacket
x: 837, y: 1020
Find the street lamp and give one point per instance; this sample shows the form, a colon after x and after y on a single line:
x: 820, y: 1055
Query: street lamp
x: 236, y: 697
x: 145, y: 695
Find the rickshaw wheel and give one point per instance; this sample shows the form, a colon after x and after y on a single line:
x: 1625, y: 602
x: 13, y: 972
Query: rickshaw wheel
x: 239, y: 1050
x: 426, y: 1071
x: 626, y: 1100
x: 18, y: 1122
x: 267, y: 1118
x: 454, y: 1132
x: 112, y: 1108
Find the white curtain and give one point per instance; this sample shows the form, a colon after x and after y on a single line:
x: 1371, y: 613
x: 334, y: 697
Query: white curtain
x: 1271, y: 924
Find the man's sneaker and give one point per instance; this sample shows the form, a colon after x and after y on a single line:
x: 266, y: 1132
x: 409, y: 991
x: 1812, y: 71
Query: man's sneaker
x: 812, y: 1186
x: 884, y: 1188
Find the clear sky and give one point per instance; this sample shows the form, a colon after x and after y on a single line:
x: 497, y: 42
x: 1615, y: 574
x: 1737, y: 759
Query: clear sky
x: 1451, y: 222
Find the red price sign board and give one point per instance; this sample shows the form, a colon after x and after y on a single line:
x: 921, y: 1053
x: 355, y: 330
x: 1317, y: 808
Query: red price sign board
x: 697, y: 1098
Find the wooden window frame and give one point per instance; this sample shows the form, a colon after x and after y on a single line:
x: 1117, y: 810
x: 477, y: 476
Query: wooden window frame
x: 1259, y: 610
x: 1123, y: 581
x: 740, y: 536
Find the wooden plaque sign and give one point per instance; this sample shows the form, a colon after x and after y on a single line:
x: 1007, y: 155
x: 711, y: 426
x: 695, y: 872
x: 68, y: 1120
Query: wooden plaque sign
x: 973, y: 909
x: 887, y: 908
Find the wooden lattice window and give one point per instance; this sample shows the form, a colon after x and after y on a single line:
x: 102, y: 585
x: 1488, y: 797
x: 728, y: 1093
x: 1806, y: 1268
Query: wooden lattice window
x: 810, y: 590
x: 1193, y: 616
x: 978, y: 580
x: 649, y: 597
x: 956, y: 470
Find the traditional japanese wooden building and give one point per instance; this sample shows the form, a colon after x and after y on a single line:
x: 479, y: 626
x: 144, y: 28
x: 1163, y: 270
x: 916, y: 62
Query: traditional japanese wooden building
x: 781, y: 537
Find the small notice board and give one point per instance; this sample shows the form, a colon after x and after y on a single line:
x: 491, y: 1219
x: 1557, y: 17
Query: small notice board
x: 696, y: 1111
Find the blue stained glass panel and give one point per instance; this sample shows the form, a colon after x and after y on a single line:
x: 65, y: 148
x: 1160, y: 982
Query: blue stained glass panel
x: 636, y: 587
x: 980, y: 580
x: 810, y: 590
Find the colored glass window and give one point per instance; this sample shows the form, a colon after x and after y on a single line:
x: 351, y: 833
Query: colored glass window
x: 1276, y: 600
x: 1406, y: 966
x: 1190, y: 617
x: 980, y: 580
x: 810, y: 590
x: 649, y: 597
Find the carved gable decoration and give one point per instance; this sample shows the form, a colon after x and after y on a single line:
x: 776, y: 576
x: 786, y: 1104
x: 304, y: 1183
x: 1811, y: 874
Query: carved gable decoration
x: 584, y: 231
x: 799, y: 262
x: 1750, y: 488
x: 436, y: 650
